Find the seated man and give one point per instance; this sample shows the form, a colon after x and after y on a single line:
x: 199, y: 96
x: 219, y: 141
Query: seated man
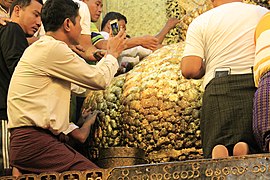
x: 95, y: 8
x: 122, y: 21
x: 4, y: 159
x: 128, y: 57
x: 39, y: 92
x: 25, y: 16
x: 135, y: 54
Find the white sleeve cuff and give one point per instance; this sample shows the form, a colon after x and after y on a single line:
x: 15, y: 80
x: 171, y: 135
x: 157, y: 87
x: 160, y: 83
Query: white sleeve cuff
x: 71, y: 127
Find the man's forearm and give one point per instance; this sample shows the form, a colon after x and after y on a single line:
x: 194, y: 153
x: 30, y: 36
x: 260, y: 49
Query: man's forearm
x: 162, y: 34
x: 102, y: 44
x: 86, y: 43
x: 133, y: 42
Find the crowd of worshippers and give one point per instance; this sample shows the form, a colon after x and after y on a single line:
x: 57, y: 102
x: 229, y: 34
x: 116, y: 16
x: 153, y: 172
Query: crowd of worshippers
x: 49, y: 51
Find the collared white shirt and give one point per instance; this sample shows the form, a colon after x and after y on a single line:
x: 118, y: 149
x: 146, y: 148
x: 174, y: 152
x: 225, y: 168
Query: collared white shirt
x: 39, y: 92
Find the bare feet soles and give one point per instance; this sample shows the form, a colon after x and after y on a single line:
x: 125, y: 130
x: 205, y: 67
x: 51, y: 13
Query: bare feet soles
x: 16, y: 172
x: 220, y: 151
x: 240, y: 149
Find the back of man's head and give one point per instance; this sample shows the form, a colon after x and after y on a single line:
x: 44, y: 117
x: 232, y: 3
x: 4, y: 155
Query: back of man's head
x: 54, y: 13
x: 22, y: 4
x: 111, y: 16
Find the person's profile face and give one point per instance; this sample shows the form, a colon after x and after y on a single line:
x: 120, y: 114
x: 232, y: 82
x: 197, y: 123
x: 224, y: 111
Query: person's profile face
x: 75, y: 32
x: 29, y: 18
x: 95, y: 7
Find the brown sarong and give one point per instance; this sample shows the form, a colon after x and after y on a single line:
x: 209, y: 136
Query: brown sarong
x: 36, y: 150
x: 227, y: 113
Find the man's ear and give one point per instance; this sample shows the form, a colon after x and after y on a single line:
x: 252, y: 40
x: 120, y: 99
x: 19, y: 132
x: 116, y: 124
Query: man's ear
x: 16, y: 11
x: 67, y: 24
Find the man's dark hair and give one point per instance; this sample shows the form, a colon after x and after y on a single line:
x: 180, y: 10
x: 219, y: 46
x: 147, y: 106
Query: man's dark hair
x: 54, y: 13
x: 111, y: 16
x: 22, y: 4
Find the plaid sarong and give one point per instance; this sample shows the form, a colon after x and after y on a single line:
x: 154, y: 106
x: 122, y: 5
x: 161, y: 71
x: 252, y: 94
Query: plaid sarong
x: 261, y: 112
x: 227, y: 113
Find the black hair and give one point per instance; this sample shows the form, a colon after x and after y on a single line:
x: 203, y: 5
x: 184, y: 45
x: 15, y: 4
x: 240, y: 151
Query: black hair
x: 22, y: 4
x: 111, y: 16
x: 54, y: 13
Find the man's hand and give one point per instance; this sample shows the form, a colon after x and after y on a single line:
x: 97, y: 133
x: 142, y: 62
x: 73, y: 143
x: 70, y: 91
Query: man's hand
x: 88, y: 118
x: 78, y: 50
x: 88, y: 115
x: 149, y: 42
x: 4, y: 20
x: 116, y: 44
x: 87, y: 55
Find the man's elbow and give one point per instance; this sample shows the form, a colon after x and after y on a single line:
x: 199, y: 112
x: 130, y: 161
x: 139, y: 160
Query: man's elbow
x: 189, y: 72
x: 192, y: 74
x: 192, y: 67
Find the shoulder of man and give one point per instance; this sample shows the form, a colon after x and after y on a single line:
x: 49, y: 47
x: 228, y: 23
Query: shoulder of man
x: 95, y: 34
x: 94, y: 28
x: 12, y: 26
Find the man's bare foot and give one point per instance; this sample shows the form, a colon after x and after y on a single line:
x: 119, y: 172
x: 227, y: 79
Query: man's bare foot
x: 15, y: 172
x: 240, y: 149
x: 220, y: 151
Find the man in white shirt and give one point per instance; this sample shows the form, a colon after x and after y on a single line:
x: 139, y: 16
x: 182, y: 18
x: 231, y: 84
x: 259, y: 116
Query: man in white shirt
x: 25, y: 15
x: 39, y: 92
x: 220, y: 47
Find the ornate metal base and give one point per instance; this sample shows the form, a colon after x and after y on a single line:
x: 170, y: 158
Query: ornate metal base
x: 245, y: 167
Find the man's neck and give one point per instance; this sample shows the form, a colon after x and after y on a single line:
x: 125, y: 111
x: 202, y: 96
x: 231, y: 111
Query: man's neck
x: 16, y: 20
x: 58, y: 35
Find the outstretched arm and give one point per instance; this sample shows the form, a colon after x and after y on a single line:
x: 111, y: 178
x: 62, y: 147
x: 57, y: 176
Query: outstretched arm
x: 171, y: 23
x: 86, y: 48
x: 149, y: 42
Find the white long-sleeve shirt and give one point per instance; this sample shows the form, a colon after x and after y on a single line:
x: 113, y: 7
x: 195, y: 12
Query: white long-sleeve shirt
x: 39, y: 90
